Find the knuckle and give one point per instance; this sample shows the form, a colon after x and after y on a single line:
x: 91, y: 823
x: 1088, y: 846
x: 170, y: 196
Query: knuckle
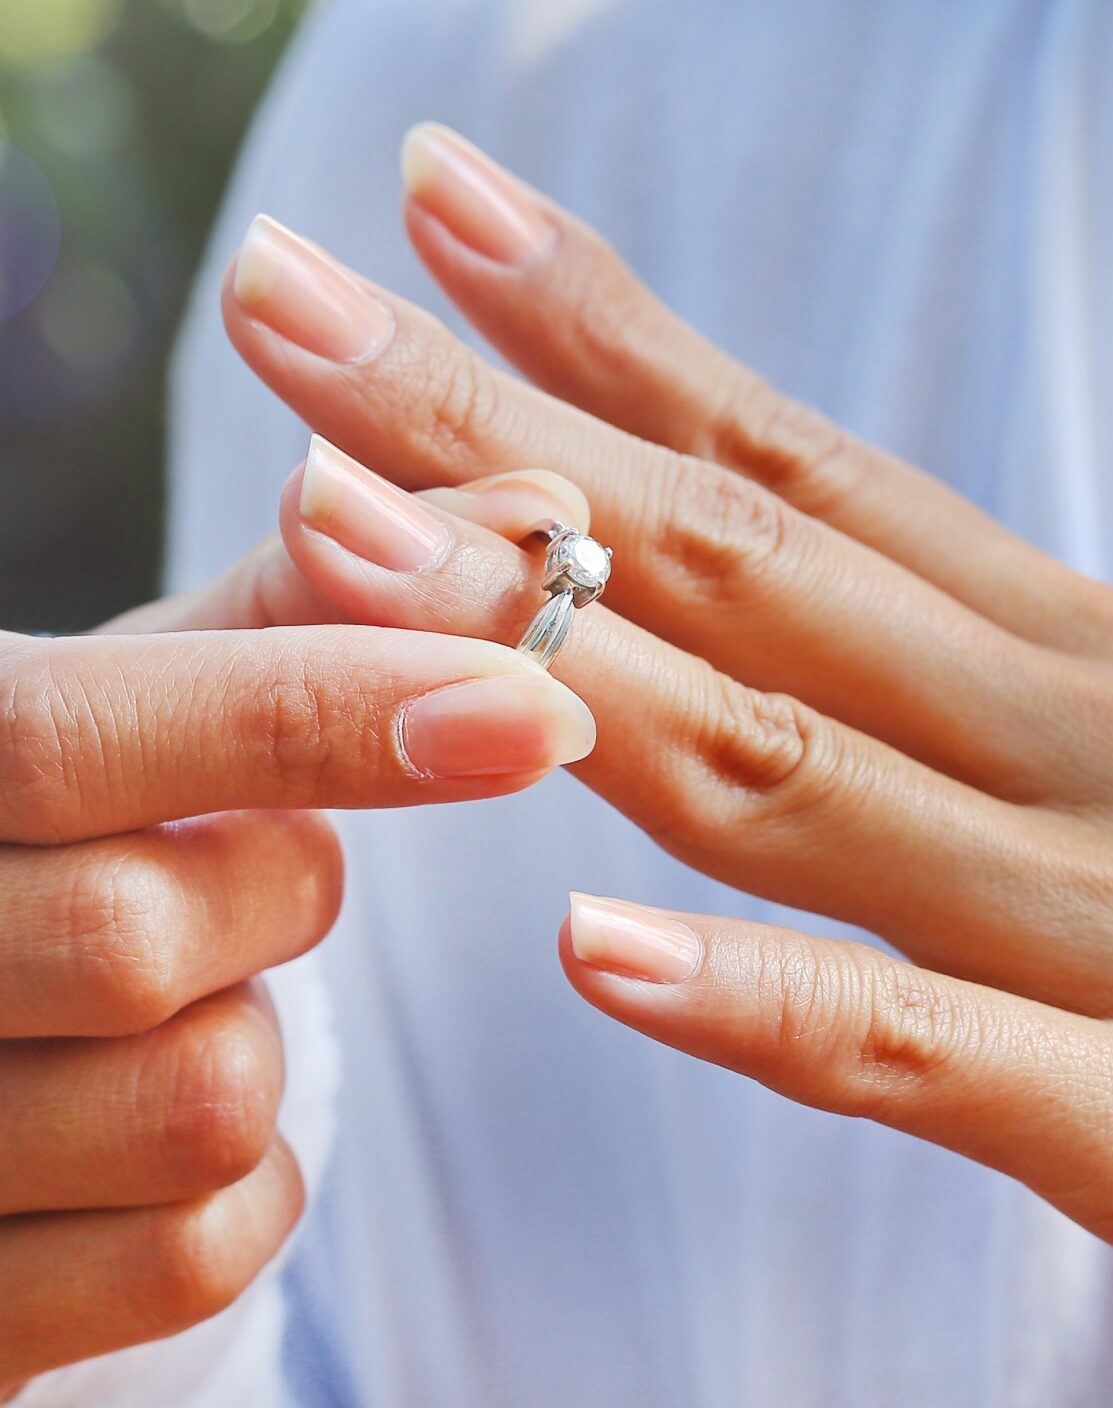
x: 911, y: 1026
x: 792, y: 450
x: 300, y: 728
x: 754, y: 742
x: 194, y: 1272
x: 123, y: 921
x: 744, y: 756
x: 458, y: 402
x: 862, y: 1029
x: 717, y: 532
x: 801, y: 992
x: 224, y: 1105
x: 310, y: 724
x: 198, y: 1258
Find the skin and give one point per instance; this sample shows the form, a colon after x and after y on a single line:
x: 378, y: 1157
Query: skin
x: 144, y: 1183
x: 856, y: 694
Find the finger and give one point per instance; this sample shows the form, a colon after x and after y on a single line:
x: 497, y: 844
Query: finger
x: 159, y: 1117
x: 114, y: 733
x: 513, y: 504
x: 262, y: 589
x: 114, y: 936
x: 757, y: 789
x: 705, y: 559
x: 565, y: 309
x: 78, y: 1284
x: 265, y: 589
x: 1021, y: 1087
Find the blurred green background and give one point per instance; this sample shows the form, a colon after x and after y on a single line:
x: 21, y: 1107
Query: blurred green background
x: 119, y: 120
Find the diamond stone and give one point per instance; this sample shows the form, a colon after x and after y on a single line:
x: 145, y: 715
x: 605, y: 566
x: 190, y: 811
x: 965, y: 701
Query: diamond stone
x: 588, y: 563
x: 575, y: 562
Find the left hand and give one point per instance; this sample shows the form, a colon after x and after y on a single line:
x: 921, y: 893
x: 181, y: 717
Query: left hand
x: 923, y: 742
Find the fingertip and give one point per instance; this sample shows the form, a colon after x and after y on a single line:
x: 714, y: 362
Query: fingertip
x: 253, y: 275
x: 485, y: 207
x: 513, y: 503
x: 417, y: 164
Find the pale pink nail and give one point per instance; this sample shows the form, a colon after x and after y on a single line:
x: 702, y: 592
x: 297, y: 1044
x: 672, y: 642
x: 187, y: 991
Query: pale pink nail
x: 633, y: 940
x: 367, y: 514
x: 483, y: 205
x: 308, y: 298
x: 501, y: 724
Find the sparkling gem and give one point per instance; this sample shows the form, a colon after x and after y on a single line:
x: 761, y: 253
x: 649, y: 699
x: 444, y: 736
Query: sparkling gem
x: 589, y: 564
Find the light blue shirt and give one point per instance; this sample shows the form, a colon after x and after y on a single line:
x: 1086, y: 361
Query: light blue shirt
x: 901, y: 211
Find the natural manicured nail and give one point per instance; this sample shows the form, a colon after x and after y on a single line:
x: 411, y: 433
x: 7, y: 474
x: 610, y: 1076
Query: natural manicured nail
x: 302, y: 294
x: 633, y: 940
x: 515, y: 501
x: 483, y: 205
x: 501, y: 724
x: 367, y: 514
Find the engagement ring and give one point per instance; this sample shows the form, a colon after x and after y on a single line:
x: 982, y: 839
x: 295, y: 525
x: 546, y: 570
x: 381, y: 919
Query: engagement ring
x: 576, y: 571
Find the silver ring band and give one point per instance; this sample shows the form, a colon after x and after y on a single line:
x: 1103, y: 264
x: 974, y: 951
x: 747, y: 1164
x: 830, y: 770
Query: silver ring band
x: 576, y: 571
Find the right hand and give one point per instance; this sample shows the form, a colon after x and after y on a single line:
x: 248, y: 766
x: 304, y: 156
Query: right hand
x: 142, y: 1183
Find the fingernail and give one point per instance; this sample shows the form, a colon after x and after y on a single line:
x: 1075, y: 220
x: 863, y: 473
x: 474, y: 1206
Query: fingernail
x: 302, y: 294
x: 503, y: 724
x: 367, y: 514
x: 522, y: 497
x: 633, y: 940
x: 483, y: 205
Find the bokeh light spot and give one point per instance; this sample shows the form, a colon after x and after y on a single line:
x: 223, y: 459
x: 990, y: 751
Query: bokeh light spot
x: 83, y: 106
x: 230, y: 21
x: 36, y: 31
x: 89, y: 318
x: 30, y: 229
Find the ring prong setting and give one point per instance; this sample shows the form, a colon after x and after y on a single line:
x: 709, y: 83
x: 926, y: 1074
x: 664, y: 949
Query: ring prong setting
x: 577, y: 563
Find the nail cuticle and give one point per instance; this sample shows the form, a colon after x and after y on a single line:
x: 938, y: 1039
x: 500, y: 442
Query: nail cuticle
x: 386, y: 336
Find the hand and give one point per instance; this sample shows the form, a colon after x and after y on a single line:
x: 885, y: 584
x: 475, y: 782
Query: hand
x: 821, y: 677
x: 142, y: 1183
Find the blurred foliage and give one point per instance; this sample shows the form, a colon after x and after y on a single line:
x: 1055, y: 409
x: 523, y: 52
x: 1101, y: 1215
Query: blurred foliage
x: 118, y: 123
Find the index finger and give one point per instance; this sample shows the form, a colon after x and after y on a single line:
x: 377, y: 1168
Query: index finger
x: 112, y: 733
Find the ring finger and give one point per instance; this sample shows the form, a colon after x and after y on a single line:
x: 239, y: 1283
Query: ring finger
x: 755, y: 789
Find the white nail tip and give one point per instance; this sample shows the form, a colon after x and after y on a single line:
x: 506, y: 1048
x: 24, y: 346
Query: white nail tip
x: 255, y: 270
